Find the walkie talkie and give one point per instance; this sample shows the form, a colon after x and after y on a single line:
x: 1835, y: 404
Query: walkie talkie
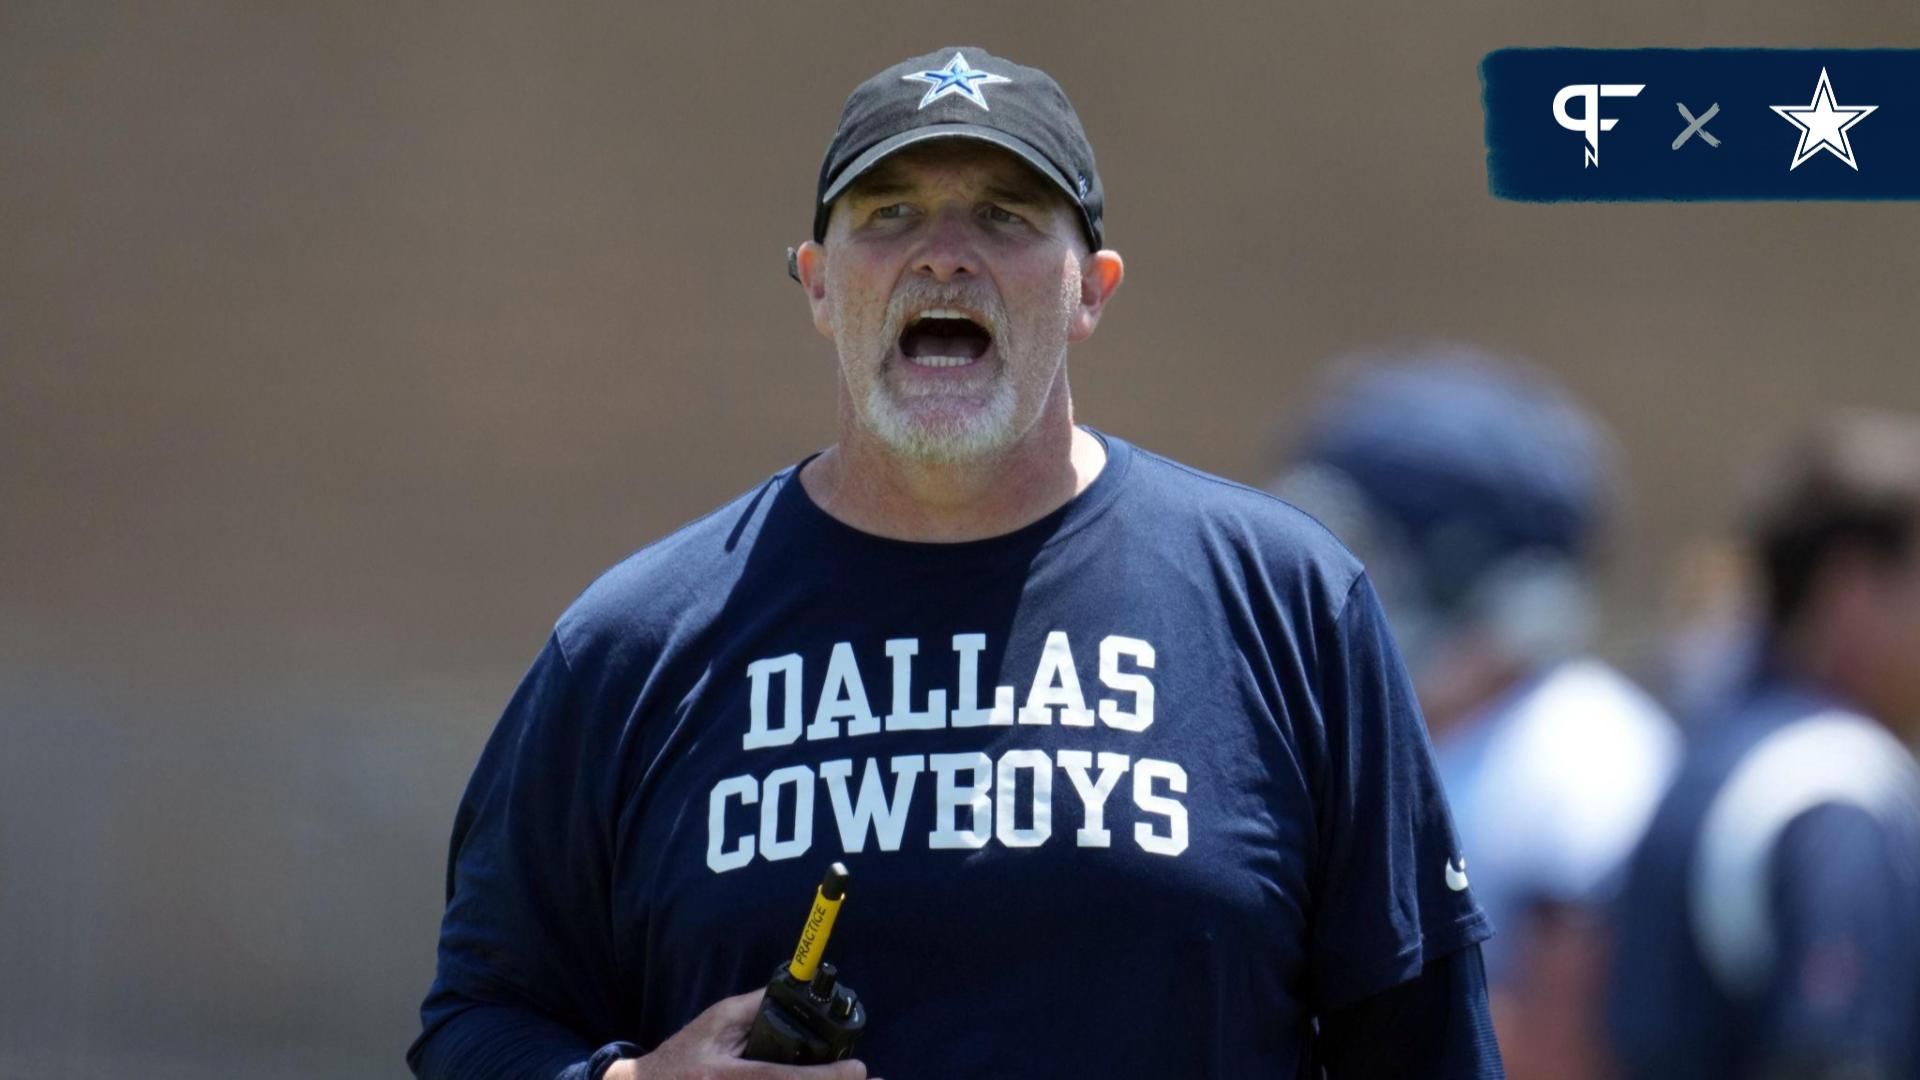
x: 810, y: 1017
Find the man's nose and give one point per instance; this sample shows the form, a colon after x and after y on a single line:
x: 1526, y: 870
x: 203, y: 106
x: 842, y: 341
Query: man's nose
x: 949, y: 250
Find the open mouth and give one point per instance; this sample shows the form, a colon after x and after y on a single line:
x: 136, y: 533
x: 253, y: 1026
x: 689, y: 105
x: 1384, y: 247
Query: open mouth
x: 944, y: 337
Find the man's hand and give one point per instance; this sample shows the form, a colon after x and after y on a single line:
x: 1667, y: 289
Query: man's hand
x: 709, y: 1049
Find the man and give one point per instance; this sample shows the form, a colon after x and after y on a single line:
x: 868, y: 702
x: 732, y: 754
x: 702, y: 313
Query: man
x: 1772, y: 918
x: 1475, y: 491
x: 1122, y: 759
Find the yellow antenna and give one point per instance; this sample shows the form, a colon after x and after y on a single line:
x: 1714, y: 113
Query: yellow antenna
x: 813, y: 936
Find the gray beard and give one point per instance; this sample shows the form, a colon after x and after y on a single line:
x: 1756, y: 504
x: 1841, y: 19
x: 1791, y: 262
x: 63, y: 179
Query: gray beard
x: 984, y: 434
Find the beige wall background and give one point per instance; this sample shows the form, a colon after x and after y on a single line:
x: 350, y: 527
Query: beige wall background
x: 342, y: 344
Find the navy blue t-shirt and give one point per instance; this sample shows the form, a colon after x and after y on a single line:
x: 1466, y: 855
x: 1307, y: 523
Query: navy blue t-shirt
x: 1771, y: 920
x: 1137, y: 790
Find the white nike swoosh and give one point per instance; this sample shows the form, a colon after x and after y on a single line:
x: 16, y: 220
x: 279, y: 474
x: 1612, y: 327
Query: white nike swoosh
x: 1457, y: 877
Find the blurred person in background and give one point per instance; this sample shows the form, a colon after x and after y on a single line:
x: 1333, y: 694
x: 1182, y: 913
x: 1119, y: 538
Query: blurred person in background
x: 1771, y: 923
x: 1474, y: 491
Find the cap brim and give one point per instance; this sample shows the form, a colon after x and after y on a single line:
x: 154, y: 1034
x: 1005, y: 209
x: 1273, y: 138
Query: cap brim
x: 886, y: 148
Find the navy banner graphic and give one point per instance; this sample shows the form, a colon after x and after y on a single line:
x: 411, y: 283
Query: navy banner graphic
x: 1610, y: 124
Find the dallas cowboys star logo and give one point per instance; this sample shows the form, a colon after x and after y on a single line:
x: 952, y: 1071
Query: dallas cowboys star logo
x: 1823, y: 125
x: 955, y: 78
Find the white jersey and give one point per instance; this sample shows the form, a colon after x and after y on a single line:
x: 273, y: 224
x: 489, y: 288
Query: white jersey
x: 1551, y: 787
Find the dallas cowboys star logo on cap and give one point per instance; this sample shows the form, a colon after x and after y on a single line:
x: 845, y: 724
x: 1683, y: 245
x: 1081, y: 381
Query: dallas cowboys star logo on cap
x: 956, y: 78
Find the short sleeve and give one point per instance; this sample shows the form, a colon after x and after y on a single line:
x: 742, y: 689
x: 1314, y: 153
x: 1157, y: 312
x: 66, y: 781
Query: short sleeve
x: 526, y: 963
x: 1847, y: 972
x: 1391, y: 891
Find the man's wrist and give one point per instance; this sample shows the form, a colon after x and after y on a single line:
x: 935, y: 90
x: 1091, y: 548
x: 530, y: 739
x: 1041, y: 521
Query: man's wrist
x: 607, y: 1057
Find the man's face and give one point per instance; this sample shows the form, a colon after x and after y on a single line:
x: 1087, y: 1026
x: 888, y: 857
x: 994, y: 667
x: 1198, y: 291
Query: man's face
x: 952, y: 287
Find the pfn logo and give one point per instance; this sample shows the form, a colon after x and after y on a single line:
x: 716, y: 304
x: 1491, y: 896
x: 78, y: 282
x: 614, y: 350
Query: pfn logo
x: 1589, y: 122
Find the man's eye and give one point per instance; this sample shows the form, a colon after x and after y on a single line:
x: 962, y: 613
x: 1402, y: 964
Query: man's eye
x: 1002, y: 215
x: 891, y: 211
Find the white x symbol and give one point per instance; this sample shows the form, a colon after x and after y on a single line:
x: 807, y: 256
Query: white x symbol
x: 1697, y: 126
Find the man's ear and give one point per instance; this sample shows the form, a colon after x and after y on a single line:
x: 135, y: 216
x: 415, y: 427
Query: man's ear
x: 1100, y: 275
x: 808, y: 264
